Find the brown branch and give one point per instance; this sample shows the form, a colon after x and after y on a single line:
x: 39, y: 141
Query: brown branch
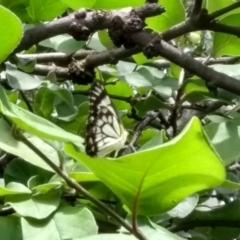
x: 117, y: 54
x: 223, y: 28
x: 212, y: 77
x: 82, y: 24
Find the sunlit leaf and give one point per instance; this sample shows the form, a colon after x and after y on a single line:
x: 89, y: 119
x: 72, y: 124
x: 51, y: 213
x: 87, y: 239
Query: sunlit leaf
x: 157, y: 179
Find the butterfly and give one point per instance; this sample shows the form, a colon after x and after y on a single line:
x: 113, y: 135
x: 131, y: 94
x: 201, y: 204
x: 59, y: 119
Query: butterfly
x: 105, y: 132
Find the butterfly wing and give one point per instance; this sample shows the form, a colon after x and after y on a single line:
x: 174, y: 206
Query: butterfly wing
x: 105, y: 132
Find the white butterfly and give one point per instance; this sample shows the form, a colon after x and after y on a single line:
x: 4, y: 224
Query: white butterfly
x: 105, y: 132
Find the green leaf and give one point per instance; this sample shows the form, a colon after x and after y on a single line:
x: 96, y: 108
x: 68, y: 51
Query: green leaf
x: 140, y: 78
x: 121, y: 89
x: 11, y: 32
x: 19, y: 7
x: 63, y: 43
x: 67, y: 223
x: 20, y: 80
x: 174, y: 14
x: 26, y: 64
x: 230, y: 185
x: 155, y: 140
x: 150, y: 78
x: 147, y: 135
x: 14, y: 188
x: 54, y: 96
x: 158, y: 233
x: 10, y: 228
x: 115, y: 4
x: 43, y: 10
x: 149, y: 232
x: 83, y: 176
x: 45, y: 188
x: 230, y: 70
x: 151, y: 103
x: 33, y: 123
x: 176, y: 169
x: 229, y: 212
x: 225, y: 138
x: 109, y: 237
x: 43, y: 104
x: 226, y: 44
x: 20, y: 171
x: 195, y: 90
x: 78, y: 124
x: 38, y: 207
x: 105, y: 39
x: 9, y: 144
x: 76, y: 4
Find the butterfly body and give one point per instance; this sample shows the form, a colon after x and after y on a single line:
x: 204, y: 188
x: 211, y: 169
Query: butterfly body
x: 105, y: 132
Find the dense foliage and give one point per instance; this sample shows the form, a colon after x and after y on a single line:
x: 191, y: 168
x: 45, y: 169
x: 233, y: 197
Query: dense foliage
x: 172, y: 72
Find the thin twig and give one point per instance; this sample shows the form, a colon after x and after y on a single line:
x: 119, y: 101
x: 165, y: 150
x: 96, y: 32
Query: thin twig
x: 138, y: 130
x: 25, y: 99
x: 177, y: 105
x: 225, y: 10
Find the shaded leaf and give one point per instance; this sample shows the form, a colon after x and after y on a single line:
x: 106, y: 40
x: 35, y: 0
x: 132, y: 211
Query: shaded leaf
x: 10, y: 228
x: 67, y: 223
x: 39, y: 9
x: 225, y: 137
x: 38, y: 207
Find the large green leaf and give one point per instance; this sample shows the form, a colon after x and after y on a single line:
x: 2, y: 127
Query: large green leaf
x: 10, y: 31
x: 157, y: 179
